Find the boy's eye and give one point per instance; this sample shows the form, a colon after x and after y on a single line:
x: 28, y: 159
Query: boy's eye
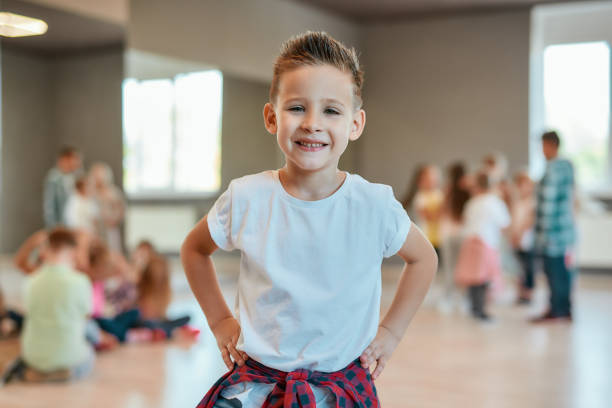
x: 296, y: 109
x: 332, y: 111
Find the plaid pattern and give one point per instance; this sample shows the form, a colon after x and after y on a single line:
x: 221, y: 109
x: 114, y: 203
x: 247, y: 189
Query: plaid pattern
x: 352, y: 386
x: 554, y: 226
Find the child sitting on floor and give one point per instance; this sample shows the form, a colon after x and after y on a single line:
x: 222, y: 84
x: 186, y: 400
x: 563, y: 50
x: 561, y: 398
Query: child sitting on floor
x: 58, y: 302
x: 153, y: 282
x: 116, y: 306
x: 312, y: 240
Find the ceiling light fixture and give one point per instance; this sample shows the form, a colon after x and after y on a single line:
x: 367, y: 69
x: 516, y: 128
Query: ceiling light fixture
x: 15, y: 25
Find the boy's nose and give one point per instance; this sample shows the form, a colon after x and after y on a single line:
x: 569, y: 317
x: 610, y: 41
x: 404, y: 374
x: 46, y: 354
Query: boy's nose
x: 311, y: 123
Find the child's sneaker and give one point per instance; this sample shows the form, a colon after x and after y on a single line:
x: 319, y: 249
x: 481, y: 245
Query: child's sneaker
x: 32, y: 375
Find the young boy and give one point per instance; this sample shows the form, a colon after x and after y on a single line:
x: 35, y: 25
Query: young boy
x: 312, y: 240
x: 478, y: 266
x: 58, y: 301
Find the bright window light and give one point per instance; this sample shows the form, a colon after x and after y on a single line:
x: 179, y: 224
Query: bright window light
x: 172, y: 135
x: 577, y: 104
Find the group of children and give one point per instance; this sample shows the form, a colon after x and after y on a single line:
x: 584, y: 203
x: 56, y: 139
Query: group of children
x: 471, y: 222
x: 82, y: 297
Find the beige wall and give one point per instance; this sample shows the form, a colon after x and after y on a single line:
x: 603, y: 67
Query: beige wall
x: 436, y: 89
x: 442, y: 89
x: 240, y: 37
x: 26, y: 143
x: 48, y: 103
x: 87, y: 106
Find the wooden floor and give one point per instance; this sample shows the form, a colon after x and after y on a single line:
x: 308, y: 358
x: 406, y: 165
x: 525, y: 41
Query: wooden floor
x: 446, y: 359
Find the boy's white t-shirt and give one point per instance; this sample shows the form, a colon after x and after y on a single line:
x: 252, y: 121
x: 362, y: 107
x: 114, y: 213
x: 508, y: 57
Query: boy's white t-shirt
x: 485, y: 216
x: 310, y: 274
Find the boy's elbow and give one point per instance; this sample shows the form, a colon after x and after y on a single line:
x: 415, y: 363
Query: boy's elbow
x: 184, y: 251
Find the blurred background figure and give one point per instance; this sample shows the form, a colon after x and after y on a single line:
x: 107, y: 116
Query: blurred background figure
x: 495, y: 165
x: 555, y: 228
x: 58, y: 301
x: 81, y: 211
x: 479, y: 266
x: 110, y: 202
x: 59, y: 184
x: 523, y: 216
x: 424, y: 201
x: 456, y: 195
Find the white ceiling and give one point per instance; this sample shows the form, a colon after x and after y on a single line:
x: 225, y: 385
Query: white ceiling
x: 68, y: 31
x: 112, y: 11
x: 390, y: 9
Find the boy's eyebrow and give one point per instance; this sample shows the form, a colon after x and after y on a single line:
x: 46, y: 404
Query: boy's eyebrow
x: 325, y: 100
x: 333, y: 100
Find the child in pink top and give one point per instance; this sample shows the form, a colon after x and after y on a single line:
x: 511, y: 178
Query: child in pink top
x: 486, y: 215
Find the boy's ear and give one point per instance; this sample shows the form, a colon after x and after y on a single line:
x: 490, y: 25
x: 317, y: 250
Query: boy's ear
x: 269, y: 118
x: 359, y: 119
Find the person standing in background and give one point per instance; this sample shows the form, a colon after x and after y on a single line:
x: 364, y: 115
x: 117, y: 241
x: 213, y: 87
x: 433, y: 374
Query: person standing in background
x: 427, y: 204
x: 110, y: 202
x: 523, y: 214
x: 555, y: 230
x: 59, y: 184
x: 457, y: 194
x: 486, y: 218
x: 81, y: 211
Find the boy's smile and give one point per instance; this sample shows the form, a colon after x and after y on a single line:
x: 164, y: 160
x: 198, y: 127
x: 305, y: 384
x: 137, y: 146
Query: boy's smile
x: 314, y: 117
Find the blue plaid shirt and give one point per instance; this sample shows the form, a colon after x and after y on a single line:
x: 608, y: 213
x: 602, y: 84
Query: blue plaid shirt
x: 555, y: 227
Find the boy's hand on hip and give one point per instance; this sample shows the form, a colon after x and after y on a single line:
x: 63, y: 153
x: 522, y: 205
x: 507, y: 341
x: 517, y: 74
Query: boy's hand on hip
x: 379, y: 351
x: 227, y: 332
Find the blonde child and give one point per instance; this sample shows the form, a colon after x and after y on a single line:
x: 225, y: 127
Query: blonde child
x: 110, y: 203
x: 312, y: 239
x: 81, y: 211
x: 523, y: 218
x: 478, y: 266
x: 427, y: 203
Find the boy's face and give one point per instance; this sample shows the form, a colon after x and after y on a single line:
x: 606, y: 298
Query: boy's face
x: 314, y: 116
x: 549, y: 149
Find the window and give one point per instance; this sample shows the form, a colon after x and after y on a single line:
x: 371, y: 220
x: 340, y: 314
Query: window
x: 172, y: 135
x: 577, y: 104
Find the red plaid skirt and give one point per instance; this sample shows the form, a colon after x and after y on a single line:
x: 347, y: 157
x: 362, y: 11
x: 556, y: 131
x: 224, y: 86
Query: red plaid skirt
x: 352, y: 386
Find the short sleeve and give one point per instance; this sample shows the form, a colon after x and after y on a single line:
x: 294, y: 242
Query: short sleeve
x: 503, y: 214
x: 397, y: 225
x: 220, y: 220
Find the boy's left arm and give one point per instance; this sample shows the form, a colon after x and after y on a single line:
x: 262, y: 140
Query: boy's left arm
x: 419, y: 271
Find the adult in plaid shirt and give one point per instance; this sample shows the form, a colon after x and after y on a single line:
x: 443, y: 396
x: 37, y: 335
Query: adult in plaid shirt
x: 555, y: 227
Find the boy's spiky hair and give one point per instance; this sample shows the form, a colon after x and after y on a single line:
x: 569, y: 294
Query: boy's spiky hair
x: 317, y: 48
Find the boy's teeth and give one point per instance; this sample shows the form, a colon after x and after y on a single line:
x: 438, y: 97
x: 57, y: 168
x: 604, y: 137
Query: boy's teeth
x: 311, y: 144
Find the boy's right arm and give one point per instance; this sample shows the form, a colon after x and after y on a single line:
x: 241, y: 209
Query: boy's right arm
x: 200, y: 271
